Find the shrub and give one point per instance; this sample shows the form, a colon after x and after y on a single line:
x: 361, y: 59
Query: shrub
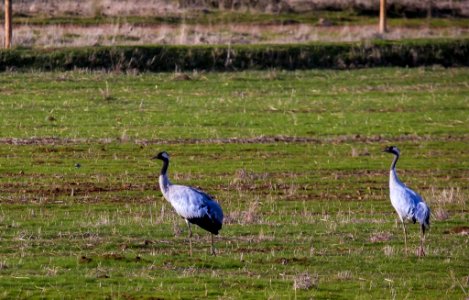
x: 163, y: 58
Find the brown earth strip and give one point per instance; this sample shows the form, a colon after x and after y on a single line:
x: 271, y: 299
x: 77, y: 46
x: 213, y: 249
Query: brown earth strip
x: 235, y: 140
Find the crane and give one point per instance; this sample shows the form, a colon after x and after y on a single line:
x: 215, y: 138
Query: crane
x: 195, y: 206
x: 408, y: 204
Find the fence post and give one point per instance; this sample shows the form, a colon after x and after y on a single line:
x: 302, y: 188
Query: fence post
x: 382, y: 16
x: 430, y: 8
x: 8, y: 28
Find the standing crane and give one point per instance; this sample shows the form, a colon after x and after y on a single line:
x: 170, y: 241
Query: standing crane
x: 408, y: 204
x: 195, y: 206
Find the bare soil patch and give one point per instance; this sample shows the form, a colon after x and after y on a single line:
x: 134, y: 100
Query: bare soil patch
x: 235, y: 140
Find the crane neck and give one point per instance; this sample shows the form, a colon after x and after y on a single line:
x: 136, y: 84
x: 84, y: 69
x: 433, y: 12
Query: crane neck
x: 164, y: 169
x: 393, y: 178
x: 393, y: 165
x: 163, y: 178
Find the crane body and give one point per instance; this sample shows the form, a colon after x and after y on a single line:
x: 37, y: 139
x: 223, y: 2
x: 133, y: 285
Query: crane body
x: 408, y: 204
x: 195, y: 206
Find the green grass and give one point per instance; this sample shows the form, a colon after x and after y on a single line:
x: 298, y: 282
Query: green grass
x: 248, y: 104
x: 312, y: 210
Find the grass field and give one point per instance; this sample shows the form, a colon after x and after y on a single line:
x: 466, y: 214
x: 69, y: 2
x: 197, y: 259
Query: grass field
x: 295, y: 159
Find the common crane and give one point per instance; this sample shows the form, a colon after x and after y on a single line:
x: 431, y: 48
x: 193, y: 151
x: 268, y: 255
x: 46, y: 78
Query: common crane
x: 408, y: 204
x: 195, y: 206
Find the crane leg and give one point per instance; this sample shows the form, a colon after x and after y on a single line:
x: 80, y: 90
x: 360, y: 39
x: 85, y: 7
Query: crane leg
x: 190, y: 246
x: 405, y: 237
x: 190, y: 229
x: 190, y: 237
x: 213, y: 246
x: 422, y: 241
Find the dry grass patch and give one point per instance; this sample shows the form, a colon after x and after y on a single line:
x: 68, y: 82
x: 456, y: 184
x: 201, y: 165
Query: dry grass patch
x: 306, y: 281
x: 47, y: 36
x: 380, y: 237
x: 389, y: 250
x: 344, y: 275
x: 249, y: 216
x: 442, y: 201
x: 452, y: 195
x: 440, y: 214
x: 245, y: 176
x: 123, y: 8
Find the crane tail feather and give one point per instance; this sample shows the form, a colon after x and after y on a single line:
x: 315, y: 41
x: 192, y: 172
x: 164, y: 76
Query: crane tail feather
x: 422, y: 214
x: 207, y: 223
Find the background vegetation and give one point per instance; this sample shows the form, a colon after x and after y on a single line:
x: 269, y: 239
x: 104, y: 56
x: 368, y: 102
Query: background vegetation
x: 402, y: 8
x: 180, y: 58
x: 51, y: 24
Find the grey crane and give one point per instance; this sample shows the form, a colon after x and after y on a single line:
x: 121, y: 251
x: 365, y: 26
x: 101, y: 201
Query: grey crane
x: 408, y: 204
x: 195, y: 206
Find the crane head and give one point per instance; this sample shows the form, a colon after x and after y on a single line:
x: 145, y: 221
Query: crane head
x: 162, y: 155
x: 392, y: 149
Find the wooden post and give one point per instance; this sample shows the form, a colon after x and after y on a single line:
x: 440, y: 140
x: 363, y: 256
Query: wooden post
x: 382, y: 16
x: 8, y: 28
x: 429, y: 9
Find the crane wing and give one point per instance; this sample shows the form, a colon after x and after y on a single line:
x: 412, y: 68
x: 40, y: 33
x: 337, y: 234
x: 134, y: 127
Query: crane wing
x: 197, y: 207
x: 408, y: 204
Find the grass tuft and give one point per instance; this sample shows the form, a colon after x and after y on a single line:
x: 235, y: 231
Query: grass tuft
x: 306, y: 281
